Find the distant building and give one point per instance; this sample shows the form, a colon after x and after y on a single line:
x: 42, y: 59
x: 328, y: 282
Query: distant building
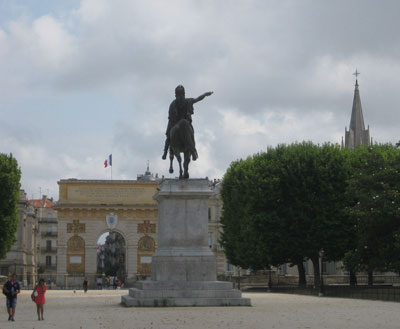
x: 47, y: 237
x: 124, y: 210
x: 22, y: 257
x: 111, y: 256
x: 357, y: 134
x: 148, y: 176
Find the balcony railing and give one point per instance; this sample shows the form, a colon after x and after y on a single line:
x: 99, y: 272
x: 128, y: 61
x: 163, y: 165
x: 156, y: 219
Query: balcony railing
x: 48, y: 220
x: 48, y: 250
x: 44, y: 234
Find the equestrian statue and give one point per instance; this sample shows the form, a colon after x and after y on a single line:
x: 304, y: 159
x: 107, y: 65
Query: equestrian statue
x: 180, y: 132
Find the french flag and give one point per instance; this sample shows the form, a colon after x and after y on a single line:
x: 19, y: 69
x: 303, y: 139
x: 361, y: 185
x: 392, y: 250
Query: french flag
x: 108, y: 162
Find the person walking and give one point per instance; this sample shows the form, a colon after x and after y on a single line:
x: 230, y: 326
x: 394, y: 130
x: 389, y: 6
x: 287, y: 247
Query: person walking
x: 85, y: 284
x: 11, y: 289
x: 38, y: 297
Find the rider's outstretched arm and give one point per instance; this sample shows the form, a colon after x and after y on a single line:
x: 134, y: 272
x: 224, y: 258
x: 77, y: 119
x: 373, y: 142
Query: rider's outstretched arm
x: 201, y: 97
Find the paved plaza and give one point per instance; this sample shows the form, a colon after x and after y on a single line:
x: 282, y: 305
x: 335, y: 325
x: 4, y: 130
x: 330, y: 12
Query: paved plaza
x: 101, y: 309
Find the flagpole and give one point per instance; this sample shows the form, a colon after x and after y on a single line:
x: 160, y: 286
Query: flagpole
x: 111, y: 172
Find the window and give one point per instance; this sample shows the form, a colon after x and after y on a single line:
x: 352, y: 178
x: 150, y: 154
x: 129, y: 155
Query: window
x: 283, y: 269
x: 324, y: 267
x: 48, y: 245
x: 333, y: 270
x: 305, y: 265
x: 48, y: 260
x: 209, y: 214
x: 210, y: 239
x: 48, y: 229
x: 329, y: 268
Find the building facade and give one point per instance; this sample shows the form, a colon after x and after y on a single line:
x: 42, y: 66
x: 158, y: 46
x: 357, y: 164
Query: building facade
x: 109, y: 227
x: 47, y: 237
x: 89, y: 208
x: 22, y: 257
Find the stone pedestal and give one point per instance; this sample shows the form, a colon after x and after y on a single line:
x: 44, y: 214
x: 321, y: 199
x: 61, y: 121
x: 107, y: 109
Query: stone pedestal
x: 183, y: 270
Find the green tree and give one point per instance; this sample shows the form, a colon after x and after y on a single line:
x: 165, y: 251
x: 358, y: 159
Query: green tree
x: 237, y: 239
x: 10, y: 176
x: 374, y: 186
x: 290, y: 200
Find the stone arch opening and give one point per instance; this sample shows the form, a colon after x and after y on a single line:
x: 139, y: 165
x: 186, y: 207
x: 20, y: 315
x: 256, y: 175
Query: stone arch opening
x: 111, y: 254
x: 76, y: 255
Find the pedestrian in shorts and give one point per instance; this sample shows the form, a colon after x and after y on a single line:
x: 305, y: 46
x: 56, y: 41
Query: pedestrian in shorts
x: 11, y: 289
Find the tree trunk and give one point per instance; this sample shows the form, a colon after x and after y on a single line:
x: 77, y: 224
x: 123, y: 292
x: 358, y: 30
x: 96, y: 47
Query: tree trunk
x: 353, y: 279
x: 370, y: 278
x: 302, y: 274
x: 317, y: 276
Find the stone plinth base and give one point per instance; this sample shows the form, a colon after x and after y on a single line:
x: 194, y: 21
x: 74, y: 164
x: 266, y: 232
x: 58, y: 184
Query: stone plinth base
x: 184, y: 293
x: 183, y: 269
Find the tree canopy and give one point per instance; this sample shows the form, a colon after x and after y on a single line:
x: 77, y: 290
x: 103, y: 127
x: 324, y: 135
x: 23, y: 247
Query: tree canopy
x: 374, y: 187
x: 289, y: 203
x: 10, y: 176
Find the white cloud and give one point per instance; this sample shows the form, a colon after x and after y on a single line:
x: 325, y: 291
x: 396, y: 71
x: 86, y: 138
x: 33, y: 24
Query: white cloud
x: 78, y: 84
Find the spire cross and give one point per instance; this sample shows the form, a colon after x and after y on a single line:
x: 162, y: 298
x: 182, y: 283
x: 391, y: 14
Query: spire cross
x: 356, y: 73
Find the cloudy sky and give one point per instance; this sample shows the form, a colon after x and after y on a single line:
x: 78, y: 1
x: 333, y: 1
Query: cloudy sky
x: 82, y: 79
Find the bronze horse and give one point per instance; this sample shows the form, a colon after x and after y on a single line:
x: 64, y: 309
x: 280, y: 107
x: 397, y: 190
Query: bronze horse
x: 182, y: 141
x: 180, y: 132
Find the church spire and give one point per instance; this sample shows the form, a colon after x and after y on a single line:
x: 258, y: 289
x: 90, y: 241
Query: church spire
x: 357, y: 118
x: 357, y: 134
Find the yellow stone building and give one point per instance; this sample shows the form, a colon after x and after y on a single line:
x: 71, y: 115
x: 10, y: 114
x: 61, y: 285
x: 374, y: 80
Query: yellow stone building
x: 89, y: 208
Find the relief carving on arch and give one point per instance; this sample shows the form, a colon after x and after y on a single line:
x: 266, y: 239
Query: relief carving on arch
x: 76, y: 255
x: 76, y: 227
x: 146, y: 244
x: 146, y: 227
x: 146, y: 249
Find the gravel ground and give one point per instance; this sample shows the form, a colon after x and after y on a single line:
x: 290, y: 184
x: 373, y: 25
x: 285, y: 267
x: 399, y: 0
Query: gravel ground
x: 101, y: 309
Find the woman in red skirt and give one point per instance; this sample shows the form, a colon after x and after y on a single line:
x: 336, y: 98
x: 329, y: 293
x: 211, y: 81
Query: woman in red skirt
x: 38, y: 298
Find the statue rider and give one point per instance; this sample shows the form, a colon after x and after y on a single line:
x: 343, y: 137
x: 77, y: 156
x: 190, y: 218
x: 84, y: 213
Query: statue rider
x: 181, y: 108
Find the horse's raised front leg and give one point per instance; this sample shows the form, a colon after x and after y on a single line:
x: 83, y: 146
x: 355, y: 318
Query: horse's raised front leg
x: 186, y: 165
x: 171, y: 159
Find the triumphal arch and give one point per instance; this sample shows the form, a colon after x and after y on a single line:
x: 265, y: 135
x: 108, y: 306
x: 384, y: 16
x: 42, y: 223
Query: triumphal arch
x: 89, y: 208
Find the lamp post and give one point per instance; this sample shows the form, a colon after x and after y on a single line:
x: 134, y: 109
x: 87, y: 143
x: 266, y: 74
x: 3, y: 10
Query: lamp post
x: 321, y: 281
x: 269, y: 280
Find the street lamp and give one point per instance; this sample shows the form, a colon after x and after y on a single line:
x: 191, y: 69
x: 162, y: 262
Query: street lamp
x: 321, y: 281
x: 269, y: 280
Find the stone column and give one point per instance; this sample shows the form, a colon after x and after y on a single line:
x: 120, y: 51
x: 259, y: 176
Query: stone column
x: 183, y: 252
